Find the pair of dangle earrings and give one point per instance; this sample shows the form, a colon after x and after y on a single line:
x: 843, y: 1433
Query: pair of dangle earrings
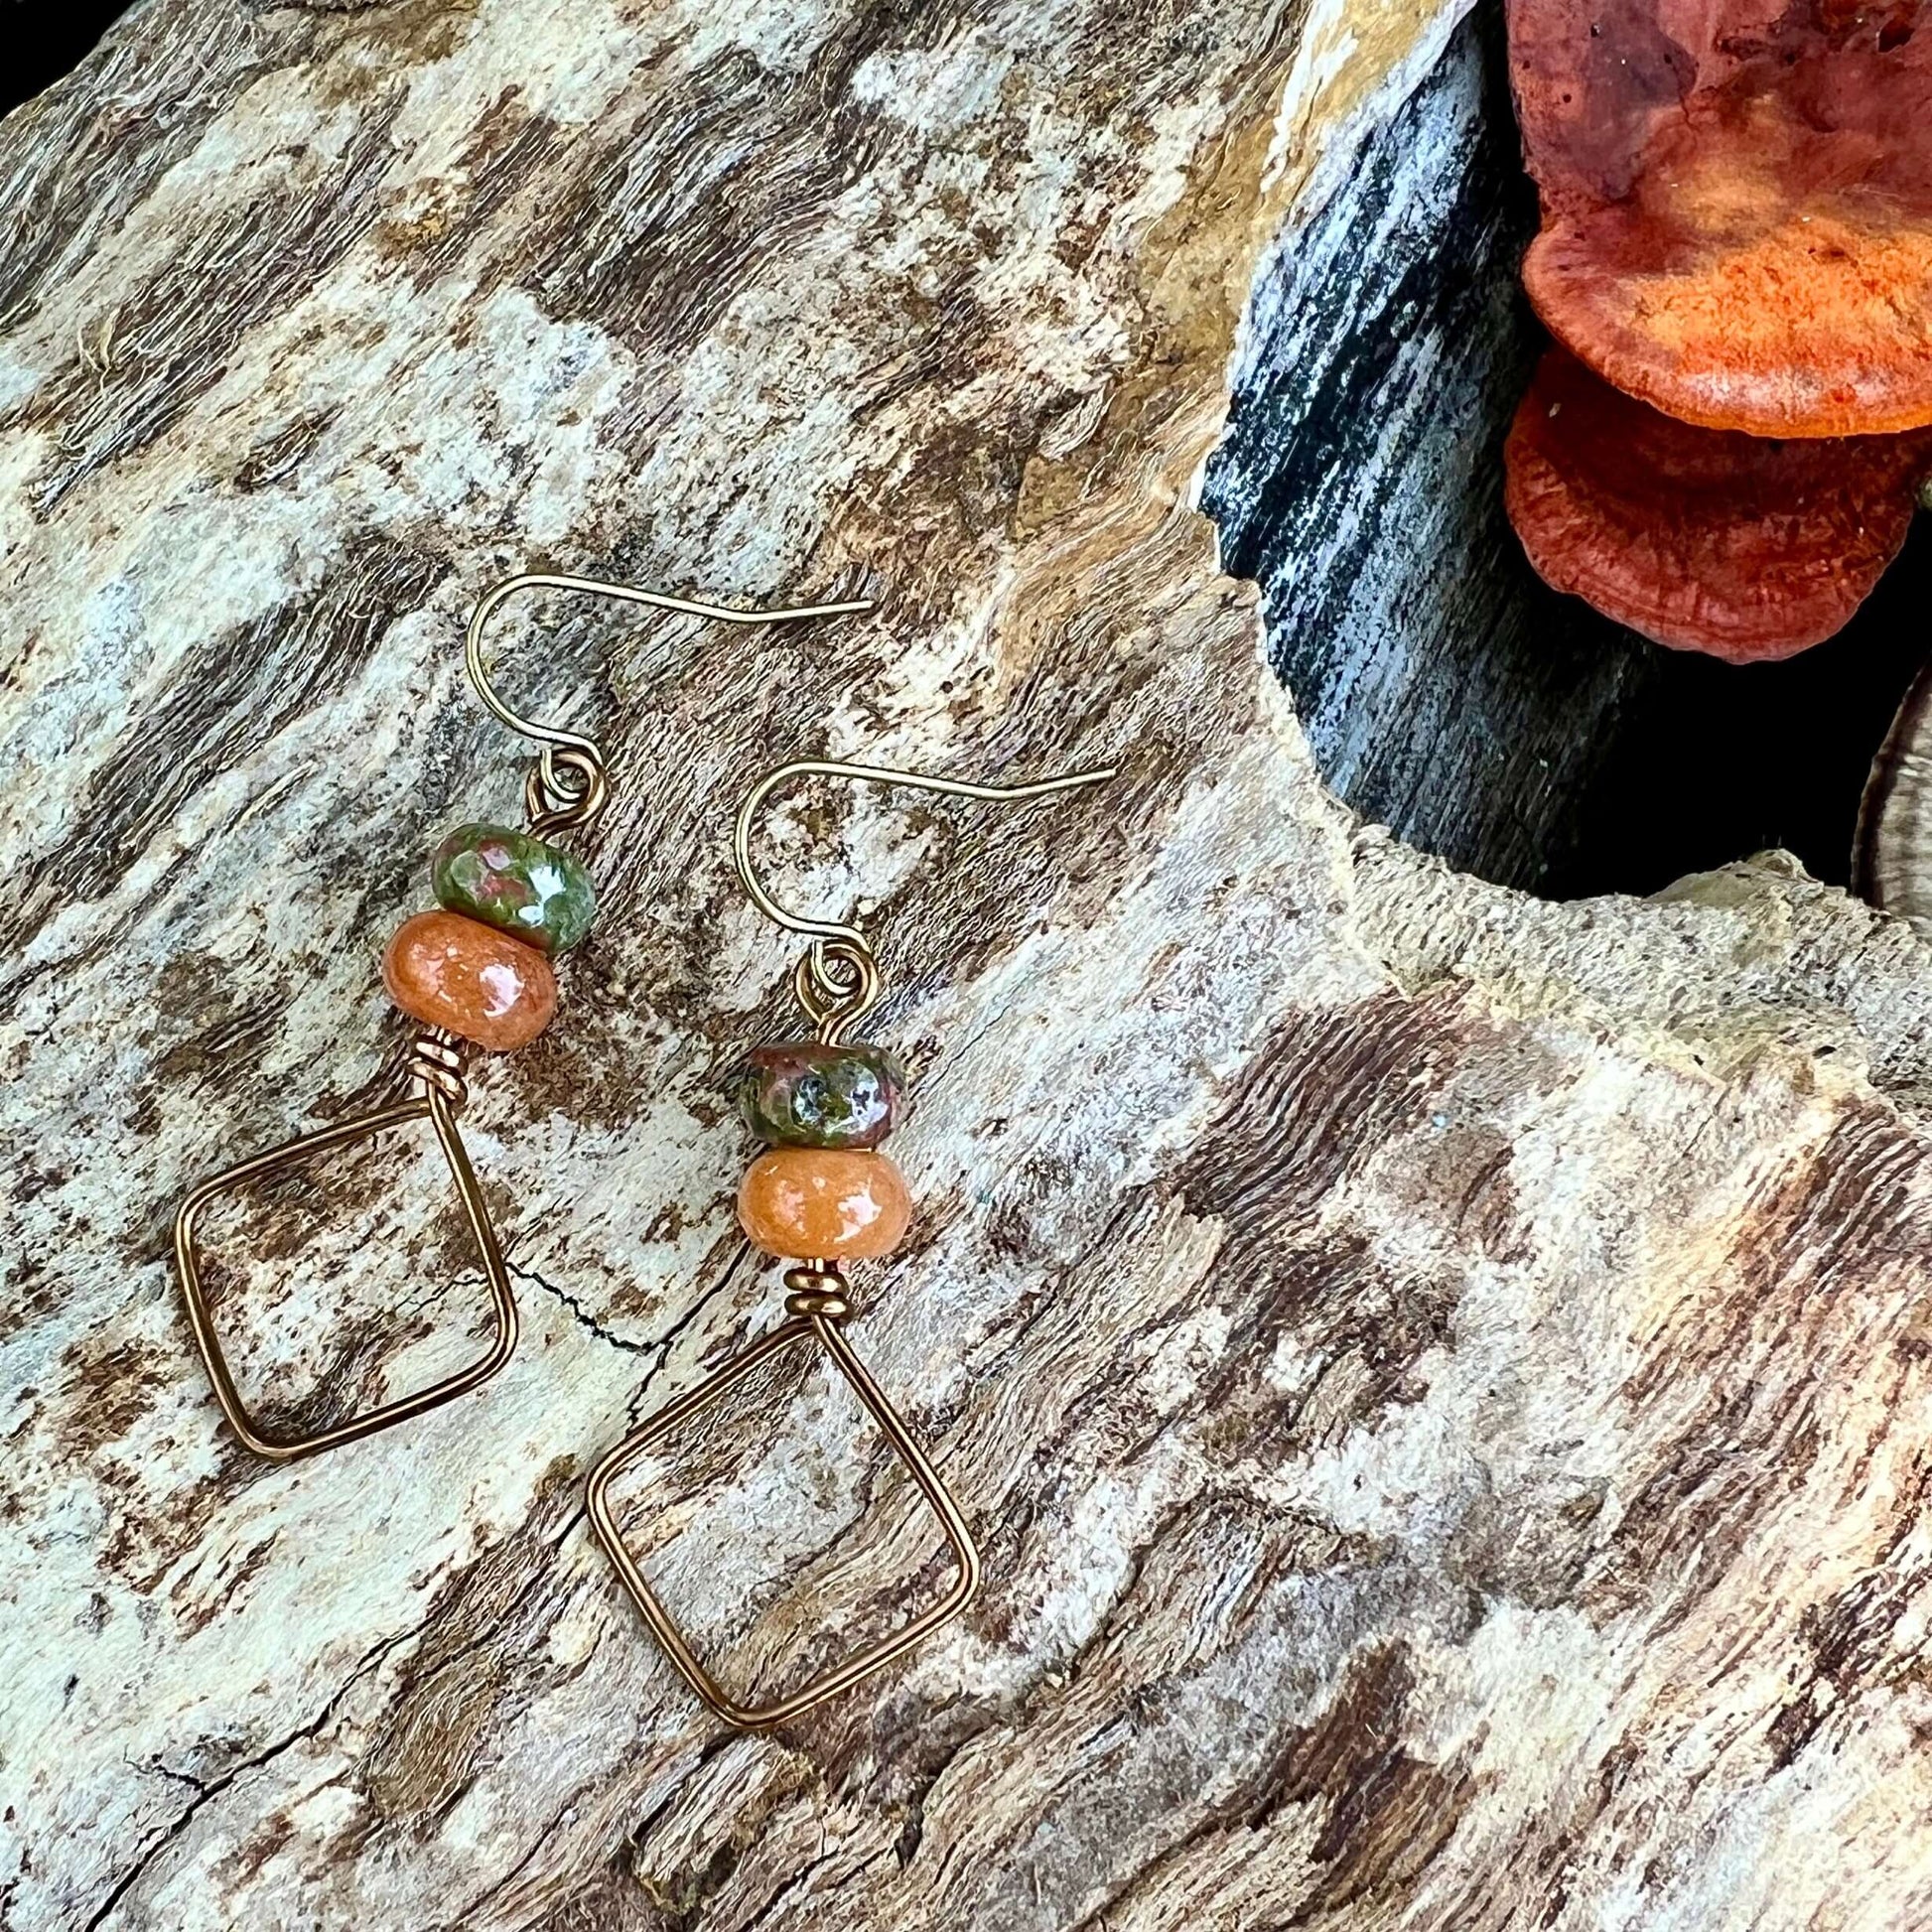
x: 478, y: 973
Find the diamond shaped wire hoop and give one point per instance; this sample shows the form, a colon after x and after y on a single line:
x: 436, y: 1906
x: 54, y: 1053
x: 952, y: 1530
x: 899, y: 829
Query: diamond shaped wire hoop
x: 432, y: 1106
x: 892, y: 1426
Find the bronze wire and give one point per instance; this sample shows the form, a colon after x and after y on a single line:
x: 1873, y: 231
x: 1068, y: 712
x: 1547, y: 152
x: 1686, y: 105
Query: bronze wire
x: 568, y: 786
x: 838, y: 981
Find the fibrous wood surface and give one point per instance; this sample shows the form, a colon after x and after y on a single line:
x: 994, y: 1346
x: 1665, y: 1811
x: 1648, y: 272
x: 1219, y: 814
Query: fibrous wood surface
x: 1440, y: 1380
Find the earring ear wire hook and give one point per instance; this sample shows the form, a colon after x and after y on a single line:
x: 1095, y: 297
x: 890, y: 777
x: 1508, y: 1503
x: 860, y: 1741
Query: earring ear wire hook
x: 838, y: 979
x: 562, y: 800
x: 871, y: 774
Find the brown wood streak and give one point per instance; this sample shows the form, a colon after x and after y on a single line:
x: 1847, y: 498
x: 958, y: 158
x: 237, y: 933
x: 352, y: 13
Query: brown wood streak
x: 1438, y: 1380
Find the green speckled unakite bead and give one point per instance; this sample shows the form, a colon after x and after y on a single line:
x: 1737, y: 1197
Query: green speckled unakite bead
x: 518, y: 884
x: 804, y: 1094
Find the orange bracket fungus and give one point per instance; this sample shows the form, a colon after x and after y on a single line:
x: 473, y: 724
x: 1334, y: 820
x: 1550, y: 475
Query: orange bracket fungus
x: 1736, y: 204
x: 1744, y: 547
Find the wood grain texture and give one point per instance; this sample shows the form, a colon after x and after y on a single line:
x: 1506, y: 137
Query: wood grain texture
x: 1440, y: 1380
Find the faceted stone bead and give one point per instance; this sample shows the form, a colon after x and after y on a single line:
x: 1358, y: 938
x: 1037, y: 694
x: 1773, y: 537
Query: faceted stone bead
x: 804, y: 1094
x: 449, y: 971
x: 811, y: 1204
x: 521, y: 884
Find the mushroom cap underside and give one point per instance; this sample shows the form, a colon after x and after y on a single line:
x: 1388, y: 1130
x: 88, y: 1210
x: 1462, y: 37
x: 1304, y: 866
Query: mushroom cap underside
x: 1743, y: 547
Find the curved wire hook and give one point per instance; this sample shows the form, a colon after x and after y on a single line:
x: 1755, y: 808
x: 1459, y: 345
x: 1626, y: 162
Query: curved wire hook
x: 838, y: 980
x: 581, y: 797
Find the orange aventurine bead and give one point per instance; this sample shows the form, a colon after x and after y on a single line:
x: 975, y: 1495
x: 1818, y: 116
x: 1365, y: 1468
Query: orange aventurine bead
x: 824, y: 1203
x: 449, y: 971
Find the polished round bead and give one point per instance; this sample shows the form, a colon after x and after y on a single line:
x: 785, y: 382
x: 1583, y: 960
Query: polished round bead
x: 449, y: 971
x: 520, y: 884
x: 824, y: 1203
x: 804, y: 1094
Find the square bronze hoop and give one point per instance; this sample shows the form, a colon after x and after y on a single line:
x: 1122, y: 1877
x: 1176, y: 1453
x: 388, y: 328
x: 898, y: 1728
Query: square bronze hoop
x: 433, y: 1106
x: 890, y: 1425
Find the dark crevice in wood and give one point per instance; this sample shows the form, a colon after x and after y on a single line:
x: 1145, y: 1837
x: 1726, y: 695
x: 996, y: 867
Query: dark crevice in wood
x: 1446, y: 690
x: 60, y: 39
x: 217, y: 1787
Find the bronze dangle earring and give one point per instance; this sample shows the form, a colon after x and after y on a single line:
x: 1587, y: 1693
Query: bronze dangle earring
x: 820, y: 1196
x: 474, y: 973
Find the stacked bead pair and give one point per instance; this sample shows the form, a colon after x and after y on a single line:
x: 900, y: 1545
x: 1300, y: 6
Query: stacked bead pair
x: 823, y: 1193
x: 479, y: 967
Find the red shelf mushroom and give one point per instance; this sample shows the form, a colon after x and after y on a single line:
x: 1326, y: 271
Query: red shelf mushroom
x: 1736, y: 204
x: 1744, y: 547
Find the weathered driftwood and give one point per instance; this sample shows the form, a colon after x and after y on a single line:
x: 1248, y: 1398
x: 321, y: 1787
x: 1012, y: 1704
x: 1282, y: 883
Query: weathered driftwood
x: 1441, y: 1379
